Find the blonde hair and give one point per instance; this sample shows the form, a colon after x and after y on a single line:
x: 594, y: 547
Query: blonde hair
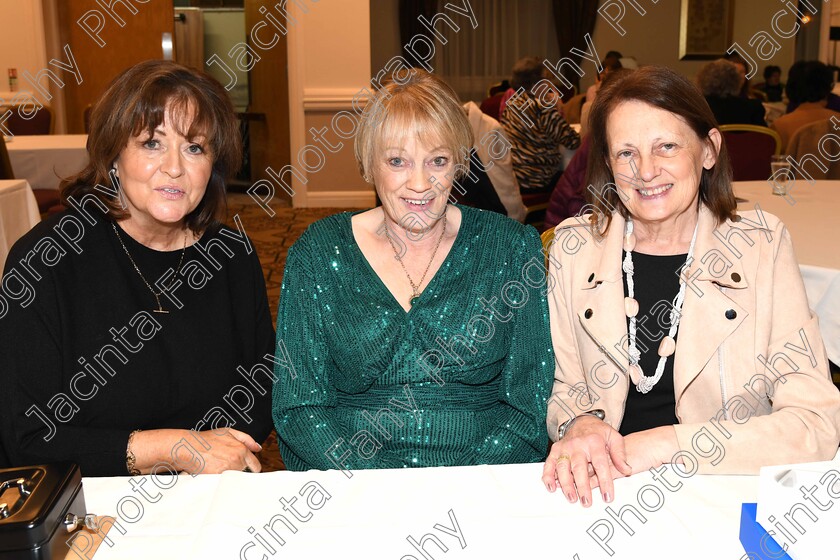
x: 422, y: 105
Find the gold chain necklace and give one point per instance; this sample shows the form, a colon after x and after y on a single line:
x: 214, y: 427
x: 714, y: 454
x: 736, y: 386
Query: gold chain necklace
x: 157, y: 295
x: 415, y: 288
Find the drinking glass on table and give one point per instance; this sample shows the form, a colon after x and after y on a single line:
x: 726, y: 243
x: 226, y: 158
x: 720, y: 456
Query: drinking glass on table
x: 780, y: 171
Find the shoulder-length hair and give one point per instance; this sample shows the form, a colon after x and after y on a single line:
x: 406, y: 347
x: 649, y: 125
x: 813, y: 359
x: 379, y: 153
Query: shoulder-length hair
x: 420, y: 105
x: 664, y: 89
x: 135, y: 103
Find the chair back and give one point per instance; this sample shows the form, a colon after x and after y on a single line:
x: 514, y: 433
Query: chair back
x: 6, y: 171
x: 750, y: 148
x: 499, y: 87
x: 547, y: 238
x: 40, y: 123
x: 806, y: 145
x: 535, y: 207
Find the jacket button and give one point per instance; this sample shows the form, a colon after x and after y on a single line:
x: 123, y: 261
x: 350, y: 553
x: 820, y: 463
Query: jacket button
x: 591, y: 277
x: 736, y: 277
x: 587, y: 313
x: 730, y: 314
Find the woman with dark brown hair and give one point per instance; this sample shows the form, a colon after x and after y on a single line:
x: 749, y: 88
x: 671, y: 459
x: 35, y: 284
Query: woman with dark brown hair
x: 140, y: 350
x: 680, y: 327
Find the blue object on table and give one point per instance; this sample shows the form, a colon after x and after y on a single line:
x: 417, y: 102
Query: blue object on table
x: 757, y: 542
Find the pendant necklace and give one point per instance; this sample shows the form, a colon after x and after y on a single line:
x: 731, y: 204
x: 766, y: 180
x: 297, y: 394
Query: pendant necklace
x: 667, y: 345
x: 415, y: 288
x: 157, y: 295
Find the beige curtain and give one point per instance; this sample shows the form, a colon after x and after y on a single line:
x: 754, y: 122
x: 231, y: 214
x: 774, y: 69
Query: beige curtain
x: 474, y: 59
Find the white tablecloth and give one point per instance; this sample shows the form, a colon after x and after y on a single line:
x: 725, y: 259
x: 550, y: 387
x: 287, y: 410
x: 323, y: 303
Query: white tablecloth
x: 18, y: 213
x: 45, y: 160
x: 501, y: 512
x: 812, y: 215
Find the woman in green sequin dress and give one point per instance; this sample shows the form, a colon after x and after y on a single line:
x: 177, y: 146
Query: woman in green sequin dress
x: 414, y: 334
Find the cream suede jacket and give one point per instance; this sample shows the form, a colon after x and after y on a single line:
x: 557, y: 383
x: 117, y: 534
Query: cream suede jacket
x: 751, y: 378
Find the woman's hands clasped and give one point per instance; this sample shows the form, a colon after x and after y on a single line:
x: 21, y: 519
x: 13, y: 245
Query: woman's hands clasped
x: 590, y: 455
x: 230, y: 450
x: 207, y: 452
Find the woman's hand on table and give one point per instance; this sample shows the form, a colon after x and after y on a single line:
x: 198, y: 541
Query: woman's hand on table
x: 627, y: 455
x: 651, y: 448
x: 188, y: 451
x: 591, y: 449
x: 230, y: 450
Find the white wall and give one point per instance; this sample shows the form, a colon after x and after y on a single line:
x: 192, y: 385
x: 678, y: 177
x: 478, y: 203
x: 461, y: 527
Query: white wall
x: 22, y: 44
x: 655, y: 37
x: 329, y: 63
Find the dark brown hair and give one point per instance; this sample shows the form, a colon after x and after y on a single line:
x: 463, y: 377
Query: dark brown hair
x: 664, y: 89
x: 136, y: 101
x: 527, y: 72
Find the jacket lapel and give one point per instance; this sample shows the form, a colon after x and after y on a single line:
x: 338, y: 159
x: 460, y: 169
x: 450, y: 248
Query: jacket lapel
x: 708, y: 315
x: 600, y: 310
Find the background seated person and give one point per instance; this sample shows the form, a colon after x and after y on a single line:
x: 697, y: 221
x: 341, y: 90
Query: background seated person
x: 611, y: 63
x: 134, y: 337
x: 535, y: 126
x: 721, y: 84
x: 384, y: 313
x: 772, y: 86
x: 492, y: 105
x: 741, y: 65
x: 569, y: 195
x: 671, y: 365
x: 808, y: 87
x: 492, y: 166
x: 584, y: 112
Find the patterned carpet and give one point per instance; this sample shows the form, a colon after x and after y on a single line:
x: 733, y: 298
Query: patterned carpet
x: 272, y: 237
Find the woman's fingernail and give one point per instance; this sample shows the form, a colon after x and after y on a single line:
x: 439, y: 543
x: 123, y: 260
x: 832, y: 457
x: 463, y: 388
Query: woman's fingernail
x: 571, y: 497
x: 585, y: 501
x: 607, y: 497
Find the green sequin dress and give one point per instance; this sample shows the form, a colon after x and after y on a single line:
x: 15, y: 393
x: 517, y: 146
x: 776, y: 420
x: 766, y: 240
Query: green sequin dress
x: 460, y: 379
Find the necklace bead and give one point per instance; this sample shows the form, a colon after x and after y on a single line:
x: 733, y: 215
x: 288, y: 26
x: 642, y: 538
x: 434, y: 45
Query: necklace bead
x: 667, y: 345
x: 631, y: 307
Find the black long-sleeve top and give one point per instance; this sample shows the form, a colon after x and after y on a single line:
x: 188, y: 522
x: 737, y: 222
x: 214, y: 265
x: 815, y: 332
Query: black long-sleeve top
x: 86, y: 360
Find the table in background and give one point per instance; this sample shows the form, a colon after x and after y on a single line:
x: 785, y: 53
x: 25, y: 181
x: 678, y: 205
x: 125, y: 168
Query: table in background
x: 45, y: 160
x: 501, y: 511
x: 812, y: 216
x: 18, y: 213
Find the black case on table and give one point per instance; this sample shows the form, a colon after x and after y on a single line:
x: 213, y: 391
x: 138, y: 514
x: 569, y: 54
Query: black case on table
x: 32, y: 528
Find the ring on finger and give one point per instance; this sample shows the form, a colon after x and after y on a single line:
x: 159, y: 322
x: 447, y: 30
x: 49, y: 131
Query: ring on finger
x: 564, y: 457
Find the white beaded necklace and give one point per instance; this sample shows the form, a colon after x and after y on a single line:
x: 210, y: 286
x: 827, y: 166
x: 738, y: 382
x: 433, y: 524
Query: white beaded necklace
x: 667, y: 345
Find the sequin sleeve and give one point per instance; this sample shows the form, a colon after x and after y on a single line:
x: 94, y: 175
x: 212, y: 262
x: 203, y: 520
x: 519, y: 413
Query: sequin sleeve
x: 520, y: 434
x: 309, y: 429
